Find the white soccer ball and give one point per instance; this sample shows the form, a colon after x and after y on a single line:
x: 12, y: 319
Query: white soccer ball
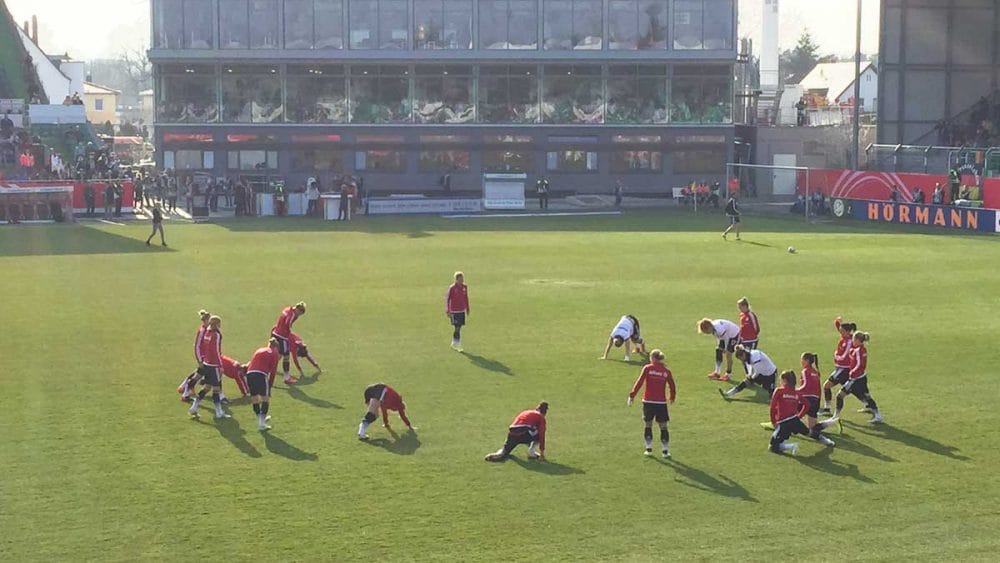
x: 791, y: 250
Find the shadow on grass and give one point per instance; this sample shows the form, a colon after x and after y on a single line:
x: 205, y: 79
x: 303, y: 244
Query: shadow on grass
x: 847, y: 443
x: 405, y: 444
x: 897, y: 434
x: 821, y: 461
x: 299, y: 395
x: 752, y: 394
x: 62, y: 240
x: 754, y: 243
x: 280, y: 447
x: 419, y: 234
x: 698, y: 479
x: 546, y: 467
x: 488, y: 364
x: 230, y: 430
x: 309, y: 379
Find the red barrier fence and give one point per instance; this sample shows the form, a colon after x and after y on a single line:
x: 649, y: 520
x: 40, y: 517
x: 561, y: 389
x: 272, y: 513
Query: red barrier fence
x: 79, y: 189
x: 849, y: 184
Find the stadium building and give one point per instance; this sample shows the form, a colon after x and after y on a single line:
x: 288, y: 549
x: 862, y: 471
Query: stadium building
x: 400, y: 92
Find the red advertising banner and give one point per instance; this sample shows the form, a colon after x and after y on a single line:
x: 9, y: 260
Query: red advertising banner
x: 79, y: 189
x: 849, y: 184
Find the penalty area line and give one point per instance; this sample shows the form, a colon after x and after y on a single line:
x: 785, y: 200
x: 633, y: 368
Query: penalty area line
x: 521, y: 215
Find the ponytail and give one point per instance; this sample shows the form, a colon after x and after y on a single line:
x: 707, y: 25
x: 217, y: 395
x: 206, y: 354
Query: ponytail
x: 862, y: 337
x: 812, y: 358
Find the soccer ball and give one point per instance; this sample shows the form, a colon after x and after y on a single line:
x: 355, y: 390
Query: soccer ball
x: 791, y: 250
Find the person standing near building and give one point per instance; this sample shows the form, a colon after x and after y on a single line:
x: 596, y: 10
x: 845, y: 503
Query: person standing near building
x: 119, y: 196
x: 457, y: 308
x: 954, y: 183
x: 109, y: 200
x: 137, y: 192
x: 157, y: 226
x: 344, y: 212
x: 89, y: 197
x: 733, y: 213
x: 312, y: 197
x: 542, y: 188
x: 619, y: 192
x: 172, y: 195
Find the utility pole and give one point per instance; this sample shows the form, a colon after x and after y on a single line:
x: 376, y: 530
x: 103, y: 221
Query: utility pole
x: 856, y: 148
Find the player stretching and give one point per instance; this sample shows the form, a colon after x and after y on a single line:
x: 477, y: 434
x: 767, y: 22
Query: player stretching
x: 263, y: 364
x: 728, y: 334
x: 299, y: 349
x: 857, y: 385
x: 656, y: 377
x: 237, y: 372
x: 626, y: 332
x: 186, y: 388
x: 749, y: 327
x: 456, y: 308
x: 809, y: 391
x: 528, y: 427
x: 380, y: 396
x: 762, y: 371
x: 211, y: 368
x: 841, y: 362
x: 282, y: 331
x: 787, y: 410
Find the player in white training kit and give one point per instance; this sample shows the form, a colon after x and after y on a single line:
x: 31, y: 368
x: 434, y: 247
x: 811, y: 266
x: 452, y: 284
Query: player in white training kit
x: 763, y: 372
x: 728, y: 334
x: 625, y: 332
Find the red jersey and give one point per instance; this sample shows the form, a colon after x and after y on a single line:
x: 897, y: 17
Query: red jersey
x: 458, y: 299
x: 787, y: 404
x: 749, y: 327
x: 656, y: 377
x: 197, y: 343
x: 859, y: 362
x: 211, y: 348
x: 532, y: 419
x: 283, y: 327
x: 840, y: 355
x: 230, y: 367
x: 391, y: 400
x: 264, y: 360
x: 810, y: 383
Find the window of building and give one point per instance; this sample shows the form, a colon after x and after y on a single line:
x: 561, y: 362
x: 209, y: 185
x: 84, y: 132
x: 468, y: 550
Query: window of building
x: 442, y: 24
x: 253, y: 160
x: 573, y: 24
x: 328, y: 25
x: 508, y: 138
x: 443, y: 94
x: 251, y: 94
x: 636, y: 161
x: 380, y: 95
x: 99, y: 104
x: 168, y: 24
x: 316, y: 93
x: 446, y: 139
x: 636, y: 139
x: 234, y: 24
x: 265, y: 25
x: 199, y: 30
x: 385, y: 161
x: 508, y: 94
x: 508, y: 24
x: 703, y: 24
x: 637, y: 94
x: 379, y: 24
x: 188, y: 160
x: 572, y: 94
x: 317, y: 160
x: 188, y: 94
x: 299, y: 18
x: 571, y: 161
x: 637, y: 24
x: 444, y: 161
x: 515, y: 160
x: 701, y: 94
x: 705, y: 161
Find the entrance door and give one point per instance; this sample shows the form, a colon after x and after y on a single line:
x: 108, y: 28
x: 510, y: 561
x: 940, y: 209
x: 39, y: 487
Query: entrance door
x: 783, y: 181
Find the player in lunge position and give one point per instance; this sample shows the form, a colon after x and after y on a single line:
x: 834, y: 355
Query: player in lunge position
x: 456, y: 308
x: 762, y: 371
x: 186, y: 388
x: 857, y: 384
x: 626, y: 332
x: 841, y: 362
x: 728, y: 335
x: 380, y: 396
x: 211, y: 368
x: 528, y: 427
x: 655, y: 376
x: 263, y: 364
x: 282, y: 331
x: 809, y: 391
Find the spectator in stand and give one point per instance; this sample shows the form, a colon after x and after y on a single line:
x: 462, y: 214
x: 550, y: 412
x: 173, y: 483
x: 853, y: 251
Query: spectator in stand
x: 312, y: 197
x: 918, y: 195
x: 713, y: 196
x: 937, y: 196
x: 67, y: 101
x: 734, y: 185
x: 6, y: 126
x: 240, y: 197
x: 954, y: 182
x: 894, y: 194
x: 345, y: 194
x: 172, y: 194
x: 228, y: 192
x: 137, y: 191
x: 88, y: 197
x: 109, y: 200
x: 119, y: 197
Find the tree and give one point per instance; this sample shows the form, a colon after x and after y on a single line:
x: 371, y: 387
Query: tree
x: 137, y: 69
x: 795, y: 64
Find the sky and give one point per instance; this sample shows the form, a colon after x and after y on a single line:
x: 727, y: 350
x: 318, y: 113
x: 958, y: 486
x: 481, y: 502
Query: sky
x: 90, y: 29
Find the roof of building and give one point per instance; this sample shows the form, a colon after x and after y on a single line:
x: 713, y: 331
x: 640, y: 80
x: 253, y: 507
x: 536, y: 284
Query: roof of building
x: 91, y: 88
x: 148, y: 92
x: 835, y: 78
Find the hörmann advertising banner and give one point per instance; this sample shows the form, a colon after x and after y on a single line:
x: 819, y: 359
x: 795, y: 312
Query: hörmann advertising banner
x: 942, y: 216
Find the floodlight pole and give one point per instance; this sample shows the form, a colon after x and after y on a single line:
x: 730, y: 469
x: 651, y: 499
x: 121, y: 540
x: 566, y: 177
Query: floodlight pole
x: 855, y: 148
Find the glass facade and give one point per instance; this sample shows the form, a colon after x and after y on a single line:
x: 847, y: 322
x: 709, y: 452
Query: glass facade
x: 442, y: 24
x: 316, y: 94
x: 380, y: 94
x: 251, y: 94
x: 701, y: 94
x: 573, y: 24
x: 703, y: 24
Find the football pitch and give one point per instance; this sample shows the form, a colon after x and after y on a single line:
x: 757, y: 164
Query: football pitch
x: 100, y: 460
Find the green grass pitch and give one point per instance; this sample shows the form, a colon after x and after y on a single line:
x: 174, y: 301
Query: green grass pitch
x: 99, y: 460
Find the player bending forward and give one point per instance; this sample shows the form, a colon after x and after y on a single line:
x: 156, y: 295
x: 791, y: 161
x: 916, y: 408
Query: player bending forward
x: 282, y: 331
x: 841, y: 362
x: 762, y: 371
x: 380, y: 396
x: 809, y: 391
x: 656, y: 377
x: 237, y: 372
x: 456, y: 308
x: 299, y: 349
x: 528, y: 427
x: 260, y: 371
x: 626, y: 332
x: 787, y: 410
x: 728, y: 335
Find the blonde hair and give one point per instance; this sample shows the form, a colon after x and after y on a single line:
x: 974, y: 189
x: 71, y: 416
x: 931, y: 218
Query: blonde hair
x: 203, y: 314
x: 705, y: 326
x: 743, y: 302
x: 740, y: 351
x: 657, y: 354
x: 457, y: 274
x: 215, y: 320
x: 301, y: 305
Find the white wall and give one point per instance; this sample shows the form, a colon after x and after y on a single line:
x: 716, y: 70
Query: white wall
x: 76, y: 71
x: 54, y: 82
x: 869, y: 91
x: 58, y: 114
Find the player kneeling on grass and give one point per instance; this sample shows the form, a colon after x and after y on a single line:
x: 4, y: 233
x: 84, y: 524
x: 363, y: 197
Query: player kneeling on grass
x: 626, y: 332
x: 656, y: 377
x: 260, y: 371
x: 211, y: 368
x: 787, y: 410
x: 762, y: 371
x: 857, y: 384
x: 528, y: 427
x: 729, y: 335
x: 380, y: 396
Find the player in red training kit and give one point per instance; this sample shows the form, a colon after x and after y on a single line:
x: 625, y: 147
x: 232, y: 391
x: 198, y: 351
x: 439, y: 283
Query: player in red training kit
x: 298, y: 348
x: 186, y: 388
x: 456, y: 307
x: 211, y: 368
x: 857, y: 385
x: 235, y: 371
x: 528, y: 427
x: 282, y: 331
x: 787, y: 410
x: 841, y: 362
x: 656, y: 377
x: 749, y: 327
x: 260, y: 370
x: 809, y: 391
x: 380, y: 396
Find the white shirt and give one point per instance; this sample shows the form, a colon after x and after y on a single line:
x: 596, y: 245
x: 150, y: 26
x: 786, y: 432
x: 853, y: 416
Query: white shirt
x: 725, y: 330
x: 760, y: 364
x: 312, y: 193
x: 624, y: 328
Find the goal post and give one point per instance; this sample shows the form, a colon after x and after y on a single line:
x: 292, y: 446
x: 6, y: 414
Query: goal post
x: 779, y: 175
